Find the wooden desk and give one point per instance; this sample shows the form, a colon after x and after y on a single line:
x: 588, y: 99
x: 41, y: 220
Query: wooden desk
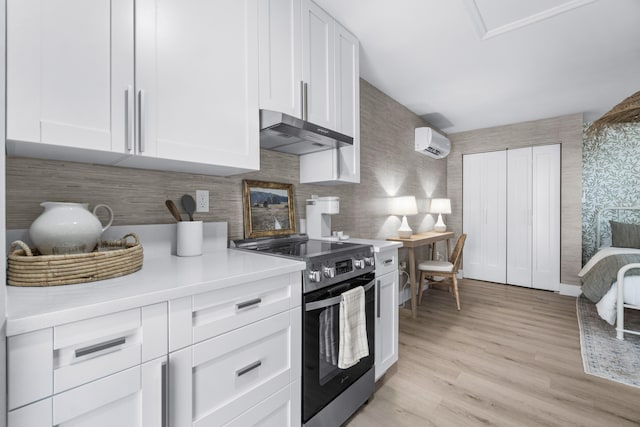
x: 417, y: 240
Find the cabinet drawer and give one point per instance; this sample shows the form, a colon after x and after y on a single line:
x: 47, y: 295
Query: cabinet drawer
x: 275, y: 411
x: 220, y: 311
x: 49, y: 361
x: 386, y: 261
x: 246, y: 365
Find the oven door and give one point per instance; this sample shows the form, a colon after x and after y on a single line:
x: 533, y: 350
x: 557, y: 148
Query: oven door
x: 322, y: 380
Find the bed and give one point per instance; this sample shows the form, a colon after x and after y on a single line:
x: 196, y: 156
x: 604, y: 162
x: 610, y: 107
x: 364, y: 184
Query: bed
x: 615, y: 262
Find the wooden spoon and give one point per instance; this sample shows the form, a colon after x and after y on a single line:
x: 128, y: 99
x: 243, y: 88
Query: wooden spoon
x: 173, y: 209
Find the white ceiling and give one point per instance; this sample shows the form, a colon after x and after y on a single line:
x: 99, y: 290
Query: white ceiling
x: 471, y: 64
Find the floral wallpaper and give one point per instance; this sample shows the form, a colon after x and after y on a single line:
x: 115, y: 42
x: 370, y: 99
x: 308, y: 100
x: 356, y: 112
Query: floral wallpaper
x: 610, y: 177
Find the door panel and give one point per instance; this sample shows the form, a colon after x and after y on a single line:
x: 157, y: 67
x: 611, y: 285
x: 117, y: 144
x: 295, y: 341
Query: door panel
x: 198, y: 71
x: 318, y: 64
x: 519, y: 217
x: 69, y: 65
x: 280, y: 56
x: 546, y: 217
x: 484, y: 216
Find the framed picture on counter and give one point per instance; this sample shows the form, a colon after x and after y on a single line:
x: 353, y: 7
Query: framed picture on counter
x: 268, y: 209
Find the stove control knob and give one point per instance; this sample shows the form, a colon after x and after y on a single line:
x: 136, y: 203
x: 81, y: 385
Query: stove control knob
x: 368, y: 260
x: 314, y: 275
x: 329, y: 272
x: 358, y: 264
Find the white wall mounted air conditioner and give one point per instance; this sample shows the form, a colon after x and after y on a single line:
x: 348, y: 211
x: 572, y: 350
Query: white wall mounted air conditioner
x: 432, y: 143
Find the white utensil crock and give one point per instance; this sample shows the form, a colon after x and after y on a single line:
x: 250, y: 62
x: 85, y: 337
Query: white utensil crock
x: 66, y: 228
x: 189, y: 238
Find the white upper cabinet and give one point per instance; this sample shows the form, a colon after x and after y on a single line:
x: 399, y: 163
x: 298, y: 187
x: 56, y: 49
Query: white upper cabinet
x: 197, y: 84
x: 318, y: 65
x: 189, y: 104
x: 309, y: 68
x: 280, y: 41
x: 347, y: 82
x: 70, y: 74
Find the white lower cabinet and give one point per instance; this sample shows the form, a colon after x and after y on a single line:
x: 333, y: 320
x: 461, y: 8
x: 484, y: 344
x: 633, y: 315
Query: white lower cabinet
x: 386, y: 351
x: 230, y: 356
x: 133, y: 397
x: 240, y: 375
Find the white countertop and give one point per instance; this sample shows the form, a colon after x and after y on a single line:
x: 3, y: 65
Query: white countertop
x: 378, y: 245
x: 162, y: 278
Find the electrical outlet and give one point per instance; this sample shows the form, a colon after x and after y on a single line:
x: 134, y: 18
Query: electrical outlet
x: 403, y: 265
x: 202, y: 201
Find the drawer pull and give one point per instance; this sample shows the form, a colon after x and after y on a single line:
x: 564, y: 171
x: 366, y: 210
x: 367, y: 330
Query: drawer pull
x: 378, y: 299
x: 387, y: 261
x: 99, y: 347
x: 164, y: 393
x: 248, y: 368
x: 247, y: 304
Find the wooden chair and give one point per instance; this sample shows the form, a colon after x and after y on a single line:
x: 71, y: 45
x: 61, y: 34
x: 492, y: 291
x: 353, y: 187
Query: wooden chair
x: 446, y: 269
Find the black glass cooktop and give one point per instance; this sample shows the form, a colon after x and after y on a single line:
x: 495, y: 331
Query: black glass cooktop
x: 310, y: 248
x: 299, y: 248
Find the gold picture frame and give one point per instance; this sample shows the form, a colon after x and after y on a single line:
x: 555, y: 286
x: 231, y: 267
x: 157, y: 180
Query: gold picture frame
x: 268, y: 209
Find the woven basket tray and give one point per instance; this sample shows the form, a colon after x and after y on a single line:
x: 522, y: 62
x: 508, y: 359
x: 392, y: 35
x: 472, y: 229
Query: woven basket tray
x: 114, y: 259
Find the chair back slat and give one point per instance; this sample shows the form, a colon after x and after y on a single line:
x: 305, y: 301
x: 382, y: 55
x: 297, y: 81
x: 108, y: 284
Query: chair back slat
x: 456, y: 255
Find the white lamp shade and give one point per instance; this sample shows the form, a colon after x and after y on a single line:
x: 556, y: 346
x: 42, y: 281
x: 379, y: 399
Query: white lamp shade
x: 405, y: 205
x: 440, y: 206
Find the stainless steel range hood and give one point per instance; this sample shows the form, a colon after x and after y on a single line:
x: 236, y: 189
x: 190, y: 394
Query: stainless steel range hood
x: 288, y: 134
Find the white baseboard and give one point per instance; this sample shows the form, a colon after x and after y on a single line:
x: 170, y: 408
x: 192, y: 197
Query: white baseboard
x: 570, y: 290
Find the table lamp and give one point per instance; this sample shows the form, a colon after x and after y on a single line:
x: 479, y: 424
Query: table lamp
x: 440, y: 206
x: 405, y: 205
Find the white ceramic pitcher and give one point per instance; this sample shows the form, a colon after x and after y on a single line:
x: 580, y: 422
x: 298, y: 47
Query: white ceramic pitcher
x: 65, y: 228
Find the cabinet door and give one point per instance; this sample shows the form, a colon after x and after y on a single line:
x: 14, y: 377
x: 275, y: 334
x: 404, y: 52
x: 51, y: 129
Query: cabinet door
x: 135, y: 397
x: 318, y: 64
x: 197, y: 82
x: 279, y: 23
x: 386, y: 322
x: 70, y: 74
x: 484, y: 216
x: 519, y: 217
x: 348, y: 101
x: 546, y: 217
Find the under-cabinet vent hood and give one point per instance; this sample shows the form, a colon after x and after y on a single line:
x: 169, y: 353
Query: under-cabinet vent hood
x: 288, y: 134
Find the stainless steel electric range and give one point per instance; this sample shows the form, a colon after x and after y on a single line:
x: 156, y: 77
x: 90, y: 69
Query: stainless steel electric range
x: 330, y: 395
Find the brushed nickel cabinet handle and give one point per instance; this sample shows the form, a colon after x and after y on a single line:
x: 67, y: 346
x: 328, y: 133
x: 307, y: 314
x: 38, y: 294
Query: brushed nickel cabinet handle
x: 164, y: 394
x: 302, y: 100
x: 129, y: 117
x: 247, y: 304
x: 99, y: 347
x: 387, y: 261
x: 141, y: 122
x: 305, y: 104
x: 378, y: 301
x: 248, y: 368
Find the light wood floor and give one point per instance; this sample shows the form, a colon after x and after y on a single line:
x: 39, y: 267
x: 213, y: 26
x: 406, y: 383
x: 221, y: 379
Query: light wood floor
x: 511, y: 357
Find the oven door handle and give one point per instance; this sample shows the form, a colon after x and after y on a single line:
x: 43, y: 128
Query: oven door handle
x: 315, y: 305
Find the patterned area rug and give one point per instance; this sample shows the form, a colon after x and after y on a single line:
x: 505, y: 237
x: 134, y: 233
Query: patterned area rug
x: 602, y: 354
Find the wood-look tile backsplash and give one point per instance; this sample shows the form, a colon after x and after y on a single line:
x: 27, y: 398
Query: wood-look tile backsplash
x: 389, y: 166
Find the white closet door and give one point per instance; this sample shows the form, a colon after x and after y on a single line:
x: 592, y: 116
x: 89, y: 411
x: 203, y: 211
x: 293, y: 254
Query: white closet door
x: 472, y: 214
x: 484, y: 216
x: 494, y: 186
x: 546, y: 217
x: 519, y: 174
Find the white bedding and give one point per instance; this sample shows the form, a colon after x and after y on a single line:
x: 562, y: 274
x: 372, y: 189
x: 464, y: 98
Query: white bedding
x: 607, y: 304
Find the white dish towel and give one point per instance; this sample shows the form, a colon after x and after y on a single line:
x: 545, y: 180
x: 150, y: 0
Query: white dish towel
x: 353, y: 328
